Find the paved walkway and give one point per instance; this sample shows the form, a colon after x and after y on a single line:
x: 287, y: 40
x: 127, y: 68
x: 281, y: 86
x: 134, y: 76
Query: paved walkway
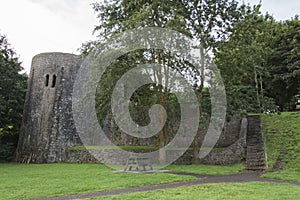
x: 202, y: 179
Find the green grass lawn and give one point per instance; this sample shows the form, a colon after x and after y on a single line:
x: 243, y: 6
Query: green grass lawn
x: 232, y: 191
x: 282, y: 135
x: 287, y: 174
x: 21, y: 181
x: 207, y: 169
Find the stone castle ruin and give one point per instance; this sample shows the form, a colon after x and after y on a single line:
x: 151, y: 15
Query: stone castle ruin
x: 48, y: 128
x: 48, y: 131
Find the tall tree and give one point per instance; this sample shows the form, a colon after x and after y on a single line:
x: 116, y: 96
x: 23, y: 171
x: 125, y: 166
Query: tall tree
x: 284, y: 64
x: 12, y: 93
x: 207, y: 21
x: 242, y: 60
x: 121, y: 15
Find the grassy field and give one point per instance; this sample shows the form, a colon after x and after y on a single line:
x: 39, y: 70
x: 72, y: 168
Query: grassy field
x: 282, y: 135
x: 30, y: 181
x: 43, y: 180
x: 232, y: 191
x: 207, y: 169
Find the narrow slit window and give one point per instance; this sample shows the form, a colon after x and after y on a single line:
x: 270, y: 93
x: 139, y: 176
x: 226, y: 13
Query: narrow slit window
x: 53, y: 81
x: 47, y: 80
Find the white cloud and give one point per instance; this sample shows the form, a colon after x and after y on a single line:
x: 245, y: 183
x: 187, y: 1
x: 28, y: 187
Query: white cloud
x: 280, y: 9
x: 36, y: 26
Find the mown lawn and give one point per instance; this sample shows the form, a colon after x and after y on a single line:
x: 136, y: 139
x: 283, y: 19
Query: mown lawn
x: 207, y: 169
x: 21, y: 181
x: 232, y: 191
x: 282, y: 135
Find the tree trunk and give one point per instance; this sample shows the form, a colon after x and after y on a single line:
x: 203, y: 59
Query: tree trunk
x: 196, y: 144
x: 257, y: 88
x: 161, y: 136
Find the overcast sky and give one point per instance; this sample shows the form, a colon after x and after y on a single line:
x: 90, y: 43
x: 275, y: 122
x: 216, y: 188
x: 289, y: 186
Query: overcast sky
x: 36, y: 26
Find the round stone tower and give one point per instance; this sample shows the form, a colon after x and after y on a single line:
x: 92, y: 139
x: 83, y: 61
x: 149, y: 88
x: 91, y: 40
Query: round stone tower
x: 48, y: 128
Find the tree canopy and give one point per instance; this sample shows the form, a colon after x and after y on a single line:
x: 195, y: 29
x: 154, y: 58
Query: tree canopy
x: 12, y: 94
x: 260, y: 64
x: 257, y: 56
x: 284, y: 64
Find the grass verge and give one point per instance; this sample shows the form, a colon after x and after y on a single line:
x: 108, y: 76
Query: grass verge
x: 282, y: 135
x: 20, y: 181
x: 207, y: 169
x: 232, y: 191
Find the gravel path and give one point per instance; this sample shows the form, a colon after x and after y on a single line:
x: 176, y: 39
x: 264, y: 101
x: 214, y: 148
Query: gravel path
x: 202, y: 179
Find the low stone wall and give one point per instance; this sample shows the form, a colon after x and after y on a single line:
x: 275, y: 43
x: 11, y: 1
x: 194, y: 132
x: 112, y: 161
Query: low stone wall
x: 231, y: 154
x: 229, y: 135
x: 114, y: 156
x: 80, y: 156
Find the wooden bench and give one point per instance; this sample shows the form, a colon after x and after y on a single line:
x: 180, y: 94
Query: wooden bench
x: 138, y: 162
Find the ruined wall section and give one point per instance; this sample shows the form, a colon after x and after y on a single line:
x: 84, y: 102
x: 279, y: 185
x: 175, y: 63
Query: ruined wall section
x: 48, y: 128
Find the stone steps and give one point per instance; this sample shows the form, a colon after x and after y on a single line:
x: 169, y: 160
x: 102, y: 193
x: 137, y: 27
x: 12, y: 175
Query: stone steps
x: 255, y: 158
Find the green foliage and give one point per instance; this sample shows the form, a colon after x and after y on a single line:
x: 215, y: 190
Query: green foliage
x: 241, y: 100
x: 119, y: 15
x: 242, y: 62
x: 284, y: 64
x: 6, y: 151
x: 251, y: 50
x: 140, y: 101
x: 211, y: 21
x: 258, y: 57
x: 263, y: 55
x: 19, y: 181
x: 207, y: 21
x: 12, y: 93
x: 223, y: 191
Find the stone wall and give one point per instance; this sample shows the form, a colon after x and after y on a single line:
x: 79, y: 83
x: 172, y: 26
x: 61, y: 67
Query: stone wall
x: 249, y: 146
x: 234, y: 153
x: 48, y: 128
x: 229, y: 135
x: 231, y: 154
